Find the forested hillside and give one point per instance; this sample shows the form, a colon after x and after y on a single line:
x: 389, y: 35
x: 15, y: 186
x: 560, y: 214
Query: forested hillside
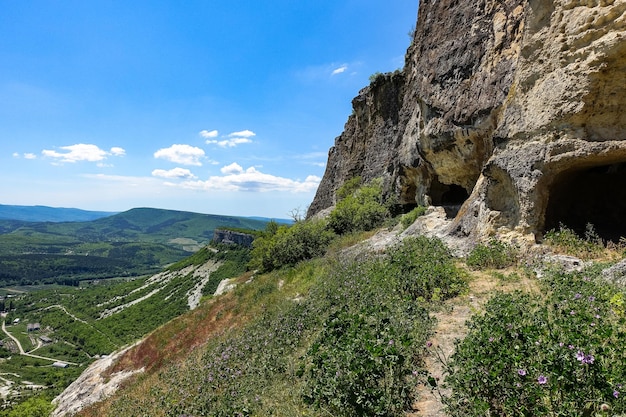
x: 137, y: 242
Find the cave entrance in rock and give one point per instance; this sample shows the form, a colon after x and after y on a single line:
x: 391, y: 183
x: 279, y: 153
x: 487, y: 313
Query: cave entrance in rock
x: 449, y: 196
x: 595, y: 196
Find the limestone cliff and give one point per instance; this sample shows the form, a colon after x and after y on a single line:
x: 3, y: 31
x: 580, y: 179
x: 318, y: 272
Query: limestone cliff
x: 231, y: 237
x: 507, y: 112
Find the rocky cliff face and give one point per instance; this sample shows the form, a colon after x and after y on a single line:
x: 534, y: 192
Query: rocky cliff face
x: 509, y: 113
x: 232, y: 238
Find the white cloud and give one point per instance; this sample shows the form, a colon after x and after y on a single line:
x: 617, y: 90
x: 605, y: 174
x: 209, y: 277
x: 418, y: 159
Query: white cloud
x: 233, y: 168
x: 30, y: 156
x: 117, y: 151
x: 229, y: 143
x: 235, y: 178
x: 242, y: 134
x: 81, y: 152
x: 339, y: 70
x: 181, y: 154
x: 173, y: 173
x: 209, y: 134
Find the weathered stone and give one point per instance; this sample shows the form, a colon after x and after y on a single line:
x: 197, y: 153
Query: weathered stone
x: 616, y: 273
x: 230, y: 237
x: 509, y: 114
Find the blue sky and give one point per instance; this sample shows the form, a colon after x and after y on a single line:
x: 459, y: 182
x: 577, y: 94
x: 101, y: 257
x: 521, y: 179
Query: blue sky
x: 215, y: 106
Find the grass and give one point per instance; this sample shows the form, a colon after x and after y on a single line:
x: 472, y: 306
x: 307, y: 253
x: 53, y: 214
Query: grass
x: 326, y: 336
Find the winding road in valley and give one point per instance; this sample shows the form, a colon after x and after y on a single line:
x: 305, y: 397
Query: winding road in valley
x: 21, y: 349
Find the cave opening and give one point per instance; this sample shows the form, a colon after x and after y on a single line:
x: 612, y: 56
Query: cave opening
x: 592, y: 196
x: 449, y: 196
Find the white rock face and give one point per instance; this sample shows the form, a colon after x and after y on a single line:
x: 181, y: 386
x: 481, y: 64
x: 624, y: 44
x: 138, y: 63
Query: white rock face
x: 91, y: 386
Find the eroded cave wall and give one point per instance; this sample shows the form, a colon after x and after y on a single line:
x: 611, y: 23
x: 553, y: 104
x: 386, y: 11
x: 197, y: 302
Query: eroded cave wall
x: 501, y: 99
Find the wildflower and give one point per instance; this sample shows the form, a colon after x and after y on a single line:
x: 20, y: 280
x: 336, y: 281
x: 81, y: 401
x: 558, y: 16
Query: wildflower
x: 542, y: 380
x: 521, y: 372
x: 578, y: 296
x: 615, y: 393
x: 572, y: 313
x: 429, y: 343
x: 561, y: 344
x: 491, y: 339
x: 592, y: 298
x: 586, y: 359
x: 605, y: 407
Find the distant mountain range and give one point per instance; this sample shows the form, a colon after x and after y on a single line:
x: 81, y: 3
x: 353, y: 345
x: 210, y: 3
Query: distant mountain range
x: 135, y: 242
x: 49, y: 214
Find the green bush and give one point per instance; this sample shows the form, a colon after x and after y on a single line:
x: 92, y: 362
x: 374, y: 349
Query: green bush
x: 360, y: 210
x: 495, y: 254
x: 290, y: 245
x: 364, y: 360
x: 410, y: 217
x: 556, y: 354
x: 425, y: 269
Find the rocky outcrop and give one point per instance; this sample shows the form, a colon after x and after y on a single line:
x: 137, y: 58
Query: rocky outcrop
x: 93, y: 385
x: 508, y: 113
x: 232, y: 238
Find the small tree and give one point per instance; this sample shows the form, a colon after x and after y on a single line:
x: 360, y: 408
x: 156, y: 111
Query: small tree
x: 361, y: 208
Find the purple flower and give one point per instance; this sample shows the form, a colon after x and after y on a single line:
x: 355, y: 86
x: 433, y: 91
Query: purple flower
x: 429, y: 343
x: 578, y: 296
x: 592, y: 298
x: 572, y: 312
x: 491, y: 339
x: 521, y: 372
x: 582, y: 358
x: 542, y: 380
x: 570, y: 347
x: 616, y: 393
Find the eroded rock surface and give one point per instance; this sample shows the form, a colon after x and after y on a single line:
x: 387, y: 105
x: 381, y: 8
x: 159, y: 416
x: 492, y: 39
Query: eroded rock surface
x: 508, y: 113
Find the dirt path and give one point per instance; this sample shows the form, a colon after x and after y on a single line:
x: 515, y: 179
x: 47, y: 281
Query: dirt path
x: 22, y: 352
x: 450, y: 327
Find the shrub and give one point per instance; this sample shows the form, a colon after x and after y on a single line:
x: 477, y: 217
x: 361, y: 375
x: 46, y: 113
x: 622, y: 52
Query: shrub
x: 360, y: 210
x: 495, y: 254
x: 425, y: 269
x: 556, y: 354
x: 566, y: 240
x: 290, y: 245
x: 364, y: 360
x: 410, y: 217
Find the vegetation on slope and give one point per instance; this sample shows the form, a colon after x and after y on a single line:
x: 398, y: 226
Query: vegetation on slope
x: 327, y: 336
x: 558, y: 353
x: 333, y: 336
